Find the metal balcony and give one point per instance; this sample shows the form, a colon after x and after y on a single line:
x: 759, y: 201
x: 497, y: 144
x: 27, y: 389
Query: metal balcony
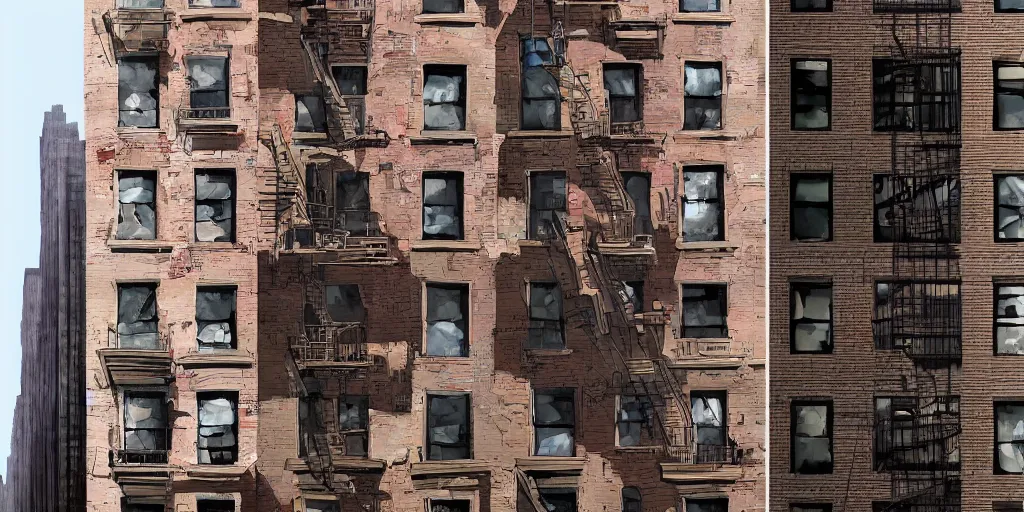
x: 139, y: 30
x: 340, y: 345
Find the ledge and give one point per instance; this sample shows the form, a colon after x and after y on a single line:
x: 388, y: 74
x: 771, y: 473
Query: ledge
x: 210, y: 126
x: 141, y: 469
x: 135, y: 367
x: 636, y: 35
x: 342, y: 464
x: 448, y: 467
x: 425, y: 359
x: 216, y: 14
x: 539, y: 134
x: 309, y: 136
x: 123, y: 131
x: 708, y: 363
x: 707, y: 135
x: 449, y: 19
x: 624, y: 249
x: 216, y: 246
x: 215, y: 473
x: 702, y: 17
x: 723, y: 246
x: 533, y: 243
x: 443, y: 137
x: 679, y: 473
x: 551, y: 464
x: 547, y: 352
x: 223, y: 359
x: 140, y: 246
x: 446, y: 245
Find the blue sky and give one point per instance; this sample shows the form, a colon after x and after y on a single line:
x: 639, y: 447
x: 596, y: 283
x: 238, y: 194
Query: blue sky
x: 41, y: 59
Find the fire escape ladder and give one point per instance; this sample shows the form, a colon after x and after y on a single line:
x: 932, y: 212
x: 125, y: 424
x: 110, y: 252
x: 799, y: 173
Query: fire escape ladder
x: 603, y: 183
x: 921, y: 450
x: 340, y: 120
x: 282, y: 184
x: 587, y: 120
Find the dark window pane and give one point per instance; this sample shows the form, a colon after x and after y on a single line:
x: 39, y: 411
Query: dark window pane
x: 137, y: 323
x: 1009, y: 96
x: 443, y: 6
x: 811, y: 202
x: 218, y: 427
x: 546, y: 328
x: 215, y: 205
x: 444, y: 97
x: 448, y: 427
x: 215, y: 318
x: 705, y: 311
x: 810, y: 328
x: 703, y: 211
x: 547, y: 203
x: 351, y: 80
x: 811, y: 95
x: 702, y: 96
x: 554, y: 421
x: 442, y: 206
x: 447, y: 320
x: 136, y: 201
x: 812, y: 437
x: 138, y: 91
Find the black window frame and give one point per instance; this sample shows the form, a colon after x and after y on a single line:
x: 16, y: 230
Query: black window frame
x: 794, y: 8
x: 794, y: 90
x: 547, y: 493
x: 997, y: 318
x: 153, y: 456
x: 646, y: 407
x: 996, y: 404
x: 638, y: 85
x: 879, y: 182
x: 447, y: 176
x: 237, y: 5
x: 553, y: 287
x: 154, y: 92
x: 716, y: 504
x: 829, y: 433
x: 684, y: 11
x: 154, y: 288
x: 151, y: 176
x: 234, y: 398
x: 304, y: 100
x: 719, y: 169
x: 997, y: 90
x: 216, y: 111
x: 919, y: 105
x: 997, y: 178
x: 230, y: 173
x: 449, y: 70
x: 794, y: 288
x: 722, y: 292
x: 464, y: 299
x: 794, y: 204
x: 534, y: 229
x: 548, y: 61
x: 720, y: 99
x: 466, y: 438
x: 636, y: 503
x: 232, y: 320
x: 558, y: 394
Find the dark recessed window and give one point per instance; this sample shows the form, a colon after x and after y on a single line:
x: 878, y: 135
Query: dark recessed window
x: 1008, y: 506
x: 352, y: 205
x: 322, y: 506
x: 136, y: 202
x: 554, y: 422
x: 215, y: 318
x: 638, y: 187
x: 633, y: 421
x: 810, y: 507
x: 915, y: 97
x: 447, y: 319
x: 1009, y: 319
x: 450, y: 506
x: 699, y: 6
x: 147, y: 433
x: 310, y: 116
x: 622, y: 84
x: 707, y: 505
x: 208, y: 85
x: 214, y: 3
x: 354, y: 425
x: 810, y: 325
x: 702, y: 96
x: 1009, y: 417
x: 558, y: 499
x: 631, y: 500
x: 547, y: 204
x: 811, y: 442
x: 442, y: 206
x: 444, y: 97
x: 546, y: 326
x: 709, y: 413
x: 1009, y: 96
x: 215, y: 206
x: 449, y: 433
x: 939, y: 198
x: 218, y: 427
x: 703, y: 203
x: 216, y: 505
x: 811, y: 207
x: 705, y: 311
x: 810, y: 6
x: 137, y: 322
x: 1009, y: 208
x: 443, y: 6
x: 632, y: 293
x: 140, y: 4
x: 811, y: 91
x: 351, y: 82
x: 138, y: 90
x: 541, y: 107
x: 1010, y: 6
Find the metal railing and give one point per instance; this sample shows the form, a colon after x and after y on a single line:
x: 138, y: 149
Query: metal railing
x: 156, y: 455
x: 688, y: 449
x: 199, y: 114
x: 140, y: 29
x: 332, y: 343
x: 359, y: 223
x: 114, y: 341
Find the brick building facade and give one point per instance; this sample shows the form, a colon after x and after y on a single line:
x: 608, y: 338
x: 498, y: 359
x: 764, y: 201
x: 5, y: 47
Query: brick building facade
x: 478, y: 255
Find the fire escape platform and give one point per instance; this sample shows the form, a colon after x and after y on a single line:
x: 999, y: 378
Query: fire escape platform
x: 333, y: 365
x: 222, y: 359
x: 140, y: 245
x: 625, y: 249
x: 682, y: 473
x: 551, y: 464
x: 213, y: 473
x: 136, y: 367
x: 340, y: 464
x: 144, y: 480
x: 431, y: 468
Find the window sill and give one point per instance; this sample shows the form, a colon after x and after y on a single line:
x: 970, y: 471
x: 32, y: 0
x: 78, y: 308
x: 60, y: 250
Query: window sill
x: 309, y: 136
x: 134, y: 130
x: 446, y: 245
x: 539, y: 134
x: 213, y: 472
x: 551, y: 463
x: 140, y: 246
x: 709, y: 363
x: 533, y: 243
x: 718, y: 246
x: 636, y: 449
x: 703, y: 17
x: 215, y: 246
x: 429, y: 468
x: 216, y: 14
x: 425, y: 359
x: 547, y: 352
x: 448, y: 19
x: 219, y: 359
x: 444, y: 137
x: 706, y: 135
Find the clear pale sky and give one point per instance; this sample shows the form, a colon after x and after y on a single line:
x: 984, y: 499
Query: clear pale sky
x: 40, y: 66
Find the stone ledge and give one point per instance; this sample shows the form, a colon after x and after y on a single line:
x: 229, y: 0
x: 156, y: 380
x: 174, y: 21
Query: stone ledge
x: 539, y: 134
x: 140, y: 245
x: 449, y: 19
x: 223, y: 359
x: 448, y: 467
x: 216, y: 14
x: 722, y: 246
x: 679, y: 473
x: 215, y: 473
x: 703, y: 17
x: 551, y: 464
x: 445, y: 245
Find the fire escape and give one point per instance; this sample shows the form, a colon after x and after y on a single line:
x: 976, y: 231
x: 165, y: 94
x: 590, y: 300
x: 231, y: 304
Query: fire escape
x: 918, y: 441
x: 138, y: 30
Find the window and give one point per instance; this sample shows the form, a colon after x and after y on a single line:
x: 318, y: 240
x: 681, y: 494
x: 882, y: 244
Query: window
x: 940, y: 197
x: 811, y: 443
x: 310, y: 116
x: 708, y: 412
x: 351, y: 82
x: 638, y: 187
x: 547, y: 204
x: 214, y: 3
x: 309, y: 426
x: 915, y: 96
x: 215, y: 318
x: 707, y: 505
x: 631, y: 500
x: 546, y: 326
x: 137, y: 322
x: 450, y: 506
x: 352, y: 203
x: 208, y: 84
x: 345, y: 304
x: 146, y: 428
x: 933, y: 305
x: 811, y: 91
x: 705, y: 309
x: 354, y: 425
x: 442, y: 206
x: 554, y: 423
x: 215, y: 206
x: 444, y: 96
x: 622, y: 85
x: 216, y: 505
x: 449, y: 432
x: 443, y: 6
x: 558, y: 499
x: 702, y: 95
x: 632, y: 294
x: 1009, y: 208
x: 322, y: 506
x: 811, y: 200
x: 1008, y: 506
x: 1010, y: 6
x: 810, y: 507
x: 1009, y: 319
x: 140, y: 507
x: 447, y: 320
x: 810, y: 324
x: 634, y: 420
x: 810, y: 6
x: 138, y: 90
x: 218, y: 427
x: 140, y: 4
x: 1009, y: 437
x: 1009, y: 96
x: 894, y: 431
x: 703, y: 212
x: 136, y: 202
x: 881, y: 323
x: 541, y: 106
x: 699, y: 6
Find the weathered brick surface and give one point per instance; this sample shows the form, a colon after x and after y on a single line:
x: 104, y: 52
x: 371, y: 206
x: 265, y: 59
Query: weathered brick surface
x: 854, y: 374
